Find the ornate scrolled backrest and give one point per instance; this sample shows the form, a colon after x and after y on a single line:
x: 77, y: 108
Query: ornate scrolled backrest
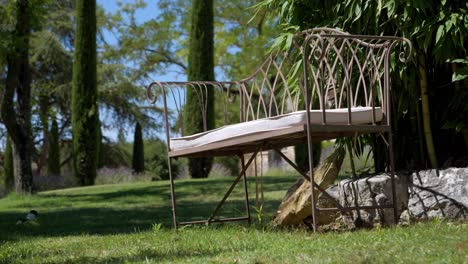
x: 323, y: 68
x: 339, y: 70
x: 346, y: 71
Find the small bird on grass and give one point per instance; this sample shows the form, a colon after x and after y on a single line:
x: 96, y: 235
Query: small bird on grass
x: 31, y: 216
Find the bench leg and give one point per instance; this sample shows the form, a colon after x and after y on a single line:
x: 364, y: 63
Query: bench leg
x: 246, y: 191
x: 312, y: 185
x: 220, y: 204
x: 392, y: 177
x: 173, y: 198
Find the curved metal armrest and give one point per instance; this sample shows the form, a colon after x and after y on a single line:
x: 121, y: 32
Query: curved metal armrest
x: 173, y: 98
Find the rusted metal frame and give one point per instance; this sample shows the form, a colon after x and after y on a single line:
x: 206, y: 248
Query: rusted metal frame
x: 249, y: 102
x: 315, y: 55
x: 332, y: 69
x: 309, y: 131
x: 386, y: 101
x: 266, y: 85
x: 242, y: 113
x: 337, y: 59
x: 225, y: 106
x: 173, y: 196
x: 254, y: 75
x: 179, y: 103
x: 205, y: 104
x: 349, y: 69
x: 349, y: 95
x: 279, y: 75
x: 221, y: 220
x: 322, y: 30
x: 379, y: 73
x: 273, y: 87
x: 360, y: 39
x: 195, y: 82
x: 166, y: 124
x: 390, y: 136
x: 375, y: 80
x: 346, y: 83
x: 220, y: 204
x: 202, y: 101
x: 354, y: 208
x: 323, y: 87
x: 286, y: 90
x: 169, y: 161
x: 365, y: 69
x: 290, y: 162
x: 246, y: 192
x: 190, y: 85
x: 369, y: 59
x: 260, y: 88
x: 361, y: 80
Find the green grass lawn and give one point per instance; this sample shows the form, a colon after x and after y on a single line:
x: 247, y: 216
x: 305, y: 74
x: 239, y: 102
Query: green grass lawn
x: 129, y: 223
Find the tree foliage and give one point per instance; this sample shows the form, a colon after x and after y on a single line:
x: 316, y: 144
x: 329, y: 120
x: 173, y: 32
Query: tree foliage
x: 141, y: 50
x: 160, y: 46
x: 427, y: 100
x: 156, y: 159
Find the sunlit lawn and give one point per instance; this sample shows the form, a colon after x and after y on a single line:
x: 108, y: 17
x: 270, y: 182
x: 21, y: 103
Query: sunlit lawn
x: 131, y: 223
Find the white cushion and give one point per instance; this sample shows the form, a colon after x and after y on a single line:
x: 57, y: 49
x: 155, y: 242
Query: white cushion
x: 359, y: 115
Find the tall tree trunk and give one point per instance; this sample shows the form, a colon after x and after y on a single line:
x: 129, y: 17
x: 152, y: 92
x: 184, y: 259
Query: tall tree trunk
x: 17, y: 119
x: 426, y: 113
x: 200, y: 68
x: 85, y: 112
x: 53, y: 156
x: 43, y: 114
x: 8, y: 167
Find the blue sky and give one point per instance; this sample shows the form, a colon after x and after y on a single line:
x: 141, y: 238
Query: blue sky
x: 142, y: 15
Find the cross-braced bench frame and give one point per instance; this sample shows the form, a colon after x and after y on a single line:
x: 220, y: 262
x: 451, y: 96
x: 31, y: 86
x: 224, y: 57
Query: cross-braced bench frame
x: 325, y: 79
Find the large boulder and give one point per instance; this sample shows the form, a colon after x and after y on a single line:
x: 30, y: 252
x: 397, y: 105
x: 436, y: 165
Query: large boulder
x: 373, y: 191
x: 439, y: 194
x: 296, y: 205
x: 323, y: 201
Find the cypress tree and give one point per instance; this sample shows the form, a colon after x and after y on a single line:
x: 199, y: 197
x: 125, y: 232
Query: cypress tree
x: 200, y: 68
x: 138, y: 160
x: 8, y: 171
x: 53, y: 157
x: 85, y: 112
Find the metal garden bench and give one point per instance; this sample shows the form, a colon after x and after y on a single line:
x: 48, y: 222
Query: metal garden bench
x: 329, y: 84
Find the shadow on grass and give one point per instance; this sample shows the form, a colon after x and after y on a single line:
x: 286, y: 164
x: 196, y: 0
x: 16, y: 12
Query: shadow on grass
x: 123, y: 217
x: 145, y: 255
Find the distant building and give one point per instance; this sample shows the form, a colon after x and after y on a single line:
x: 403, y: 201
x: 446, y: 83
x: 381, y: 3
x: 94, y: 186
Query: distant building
x: 268, y: 160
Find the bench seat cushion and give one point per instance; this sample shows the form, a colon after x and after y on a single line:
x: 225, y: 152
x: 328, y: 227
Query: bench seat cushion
x: 359, y: 116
